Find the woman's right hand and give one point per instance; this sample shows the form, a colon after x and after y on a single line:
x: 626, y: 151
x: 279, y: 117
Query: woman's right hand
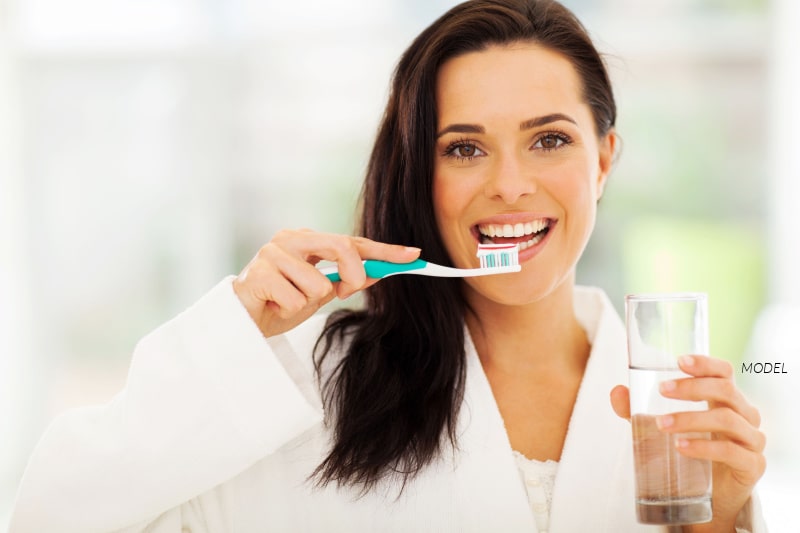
x: 280, y: 287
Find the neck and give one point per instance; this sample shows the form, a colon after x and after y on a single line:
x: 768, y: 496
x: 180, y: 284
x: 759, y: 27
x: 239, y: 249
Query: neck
x: 534, y: 337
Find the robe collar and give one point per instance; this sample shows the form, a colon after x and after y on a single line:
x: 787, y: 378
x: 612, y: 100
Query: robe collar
x: 594, y: 483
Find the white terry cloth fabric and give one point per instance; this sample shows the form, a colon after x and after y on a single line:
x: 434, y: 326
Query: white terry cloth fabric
x: 218, y: 429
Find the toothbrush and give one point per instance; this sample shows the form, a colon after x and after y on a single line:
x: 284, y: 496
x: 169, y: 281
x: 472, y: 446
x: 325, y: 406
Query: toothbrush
x: 494, y: 258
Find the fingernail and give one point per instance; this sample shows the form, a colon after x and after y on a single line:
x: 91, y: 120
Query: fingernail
x: 413, y: 249
x: 687, y: 360
x: 664, y: 421
x: 668, y: 386
x: 681, y: 443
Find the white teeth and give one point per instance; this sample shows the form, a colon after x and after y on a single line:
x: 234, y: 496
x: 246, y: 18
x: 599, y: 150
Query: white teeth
x: 532, y: 242
x: 517, y: 230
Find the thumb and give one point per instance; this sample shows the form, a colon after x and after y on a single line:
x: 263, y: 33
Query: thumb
x: 620, y: 401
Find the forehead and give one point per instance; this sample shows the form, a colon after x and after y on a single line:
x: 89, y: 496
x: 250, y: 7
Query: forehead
x: 520, y: 78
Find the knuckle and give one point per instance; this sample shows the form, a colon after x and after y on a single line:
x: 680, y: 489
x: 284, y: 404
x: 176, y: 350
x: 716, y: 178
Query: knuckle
x: 727, y: 415
x: 762, y: 440
x: 298, y: 304
x: 263, y: 273
x: 756, y: 417
x: 283, y: 238
x: 761, y: 464
x: 283, y: 235
x: 344, y: 245
x: 728, y: 388
x: 732, y: 449
x: 320, y: 289
x: 267, y: 251
x: 253, y: 275
x: 292, y: 307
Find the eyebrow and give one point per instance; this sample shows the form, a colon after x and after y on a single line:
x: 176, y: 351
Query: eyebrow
x: 546, y: 119
x: 524, y: 125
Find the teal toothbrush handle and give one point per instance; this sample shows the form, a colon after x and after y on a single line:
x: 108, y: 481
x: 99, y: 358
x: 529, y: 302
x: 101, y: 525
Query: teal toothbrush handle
x: 380, y: 269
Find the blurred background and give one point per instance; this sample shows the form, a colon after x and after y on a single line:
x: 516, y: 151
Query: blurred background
x: 150, y: 147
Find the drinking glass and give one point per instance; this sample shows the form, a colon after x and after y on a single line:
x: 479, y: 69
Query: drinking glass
x: 670, y: 488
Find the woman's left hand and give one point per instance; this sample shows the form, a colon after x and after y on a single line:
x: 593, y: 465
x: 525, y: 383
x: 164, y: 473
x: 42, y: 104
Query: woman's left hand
x: 736, y: 446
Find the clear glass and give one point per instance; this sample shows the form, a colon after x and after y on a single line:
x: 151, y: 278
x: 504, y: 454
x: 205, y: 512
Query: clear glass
x: 670, y: 488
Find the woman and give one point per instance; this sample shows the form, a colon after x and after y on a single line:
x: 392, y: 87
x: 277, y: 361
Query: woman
x: 440, y: 396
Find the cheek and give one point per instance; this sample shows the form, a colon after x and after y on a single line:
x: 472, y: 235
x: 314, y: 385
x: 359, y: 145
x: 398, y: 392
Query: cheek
x: 577, y: 193
x: 450, y: 198
x: 583, y: 205
x: 577, y: 186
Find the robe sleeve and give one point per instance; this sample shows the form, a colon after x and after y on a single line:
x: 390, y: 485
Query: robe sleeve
x: 751, y: 517
x: 206, y: 397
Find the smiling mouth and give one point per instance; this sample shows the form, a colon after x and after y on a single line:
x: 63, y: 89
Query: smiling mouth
x: 525, y: 234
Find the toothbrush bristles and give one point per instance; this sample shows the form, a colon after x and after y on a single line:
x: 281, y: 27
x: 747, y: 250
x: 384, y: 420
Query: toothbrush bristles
x: 498, y: 255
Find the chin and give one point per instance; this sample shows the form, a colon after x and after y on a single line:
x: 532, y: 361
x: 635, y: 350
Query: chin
x: 510, y: 289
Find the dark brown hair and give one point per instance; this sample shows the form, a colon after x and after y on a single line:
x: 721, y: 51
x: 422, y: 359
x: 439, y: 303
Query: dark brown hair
x: 393, y: 398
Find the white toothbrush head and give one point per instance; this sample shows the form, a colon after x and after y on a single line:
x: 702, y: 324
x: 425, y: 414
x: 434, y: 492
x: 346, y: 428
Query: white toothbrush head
x: 498, y: 255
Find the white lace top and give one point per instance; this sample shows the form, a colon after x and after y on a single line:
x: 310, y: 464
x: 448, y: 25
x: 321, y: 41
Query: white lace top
x: 538, y: 478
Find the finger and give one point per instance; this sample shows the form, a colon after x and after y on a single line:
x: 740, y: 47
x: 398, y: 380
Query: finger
x: 718, y: 391
x: 286, y: 296
x: 747, y: 466
x: 351, y: 268
x: 346, y: 251
x: 309, y: 247
x: 262, y: 285
x: 287, y: 281
x: 394, y: 253
x: 369, y: 249
x: 620, y: 401
x: 307, y: 279
x: 312, y: 246
x: 705, y: 366
x: 721, y: 421
x: 309, y: 244
x: 290, y: 303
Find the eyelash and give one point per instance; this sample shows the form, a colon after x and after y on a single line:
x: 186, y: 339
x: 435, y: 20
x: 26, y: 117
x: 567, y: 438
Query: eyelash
x: 565, y: 139
x: 450, y: 151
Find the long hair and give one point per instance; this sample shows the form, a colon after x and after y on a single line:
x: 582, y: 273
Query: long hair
x: 393, y: 398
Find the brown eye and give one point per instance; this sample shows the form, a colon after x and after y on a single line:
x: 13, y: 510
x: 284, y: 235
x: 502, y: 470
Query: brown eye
x: 466, y: 150
x: 549, y: 142
x: 552, y: 141
x: 463, y: 150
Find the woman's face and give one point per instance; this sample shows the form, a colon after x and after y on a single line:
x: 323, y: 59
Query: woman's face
x: 517, y: 160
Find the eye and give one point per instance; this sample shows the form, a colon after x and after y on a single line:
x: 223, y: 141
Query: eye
x: 552, y: 141
x: 463, y: 150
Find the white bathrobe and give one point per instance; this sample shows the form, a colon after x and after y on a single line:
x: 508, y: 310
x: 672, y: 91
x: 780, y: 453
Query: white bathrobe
x: 217, y: 430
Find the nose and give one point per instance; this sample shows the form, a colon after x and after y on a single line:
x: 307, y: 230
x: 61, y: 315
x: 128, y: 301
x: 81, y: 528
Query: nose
x: 509, y: 181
